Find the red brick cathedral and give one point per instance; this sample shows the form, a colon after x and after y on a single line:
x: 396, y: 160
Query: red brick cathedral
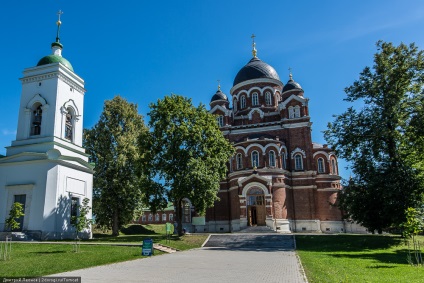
x: 278, y: 177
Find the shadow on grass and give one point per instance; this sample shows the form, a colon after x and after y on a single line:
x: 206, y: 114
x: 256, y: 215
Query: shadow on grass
x: 397, y: 257
x: 51, y: 252
x: 381, y: 266
x: 130, y: 238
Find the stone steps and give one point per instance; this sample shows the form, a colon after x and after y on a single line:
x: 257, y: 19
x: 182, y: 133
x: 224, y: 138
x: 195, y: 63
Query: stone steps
x: 165, y: 249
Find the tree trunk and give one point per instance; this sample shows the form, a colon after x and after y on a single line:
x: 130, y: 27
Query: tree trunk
x: 115, y: 224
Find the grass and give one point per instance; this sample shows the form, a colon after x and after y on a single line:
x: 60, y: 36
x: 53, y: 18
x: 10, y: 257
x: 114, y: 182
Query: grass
x: 155, y: 232
x: 356, y: 258
x: 33, y: 260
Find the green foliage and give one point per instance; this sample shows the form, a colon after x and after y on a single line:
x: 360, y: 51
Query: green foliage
x: 187, y: 157
x: 384, y: 139
x: 410, y: 229
x: 80, y: 221
x: 413, y: 224
x: 15, y: 213
x: 113, y: 146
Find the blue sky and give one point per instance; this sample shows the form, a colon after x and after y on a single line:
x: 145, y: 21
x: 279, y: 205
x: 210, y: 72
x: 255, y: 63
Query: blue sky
x: 144, y: 50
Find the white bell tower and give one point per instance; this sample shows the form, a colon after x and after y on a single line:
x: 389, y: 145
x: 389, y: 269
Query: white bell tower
x: 46, y: 167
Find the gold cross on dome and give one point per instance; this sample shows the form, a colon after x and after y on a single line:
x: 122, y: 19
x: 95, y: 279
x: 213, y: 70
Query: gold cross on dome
x: 254, y: 52
x: 59, y: 13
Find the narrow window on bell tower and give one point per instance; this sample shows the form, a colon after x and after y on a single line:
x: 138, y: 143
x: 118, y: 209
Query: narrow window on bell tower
x: 69, y: 125
x: 37, y: 114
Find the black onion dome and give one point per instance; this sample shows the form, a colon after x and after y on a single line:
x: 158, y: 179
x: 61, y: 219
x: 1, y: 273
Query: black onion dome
x: 255, y: 69
x: 219, y: 95
x: 291, y: 84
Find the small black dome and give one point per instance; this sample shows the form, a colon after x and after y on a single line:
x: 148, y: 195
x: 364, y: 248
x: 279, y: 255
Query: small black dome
x: 291, y: 84
x: 219, y: 95
x: 255, y: 69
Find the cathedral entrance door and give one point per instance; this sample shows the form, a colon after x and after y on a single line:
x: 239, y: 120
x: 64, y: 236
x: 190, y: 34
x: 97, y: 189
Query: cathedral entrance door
x: 260, y: 215
x: 256, y: 211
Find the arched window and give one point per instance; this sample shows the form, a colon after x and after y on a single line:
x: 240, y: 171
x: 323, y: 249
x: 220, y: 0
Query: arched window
x: 297, y: 111
x: 321, y: 165
x: 291, y: 112
x: 255, y: 159
x: 235, y: 105
x: 298, y: 162
x: 243, y: 102
x: 271, y: 158
x: 150, y: 217
x: 37, y: 115
x: 255, y: 100
x: 283, y: 157
x: 268, y: 98
x: 157, y: 217
x: 333, y: 166
x: 220, y: 120
x: 69, y: 124
x: 239, y: 160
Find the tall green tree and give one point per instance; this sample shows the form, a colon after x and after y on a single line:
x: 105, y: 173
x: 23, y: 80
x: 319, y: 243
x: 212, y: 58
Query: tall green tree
x: 383, y: 138
x: 188, y: 155
x: 113, y: 146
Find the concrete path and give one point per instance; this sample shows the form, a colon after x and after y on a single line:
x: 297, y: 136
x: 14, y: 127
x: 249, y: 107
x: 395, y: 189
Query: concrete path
x: 225, y: 258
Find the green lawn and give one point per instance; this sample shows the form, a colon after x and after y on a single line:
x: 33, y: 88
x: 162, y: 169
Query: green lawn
x: 356, y: 258
x: 32, y: 260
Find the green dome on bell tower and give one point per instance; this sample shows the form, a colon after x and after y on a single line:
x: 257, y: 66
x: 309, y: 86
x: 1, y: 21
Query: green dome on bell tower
x: 56, y: 56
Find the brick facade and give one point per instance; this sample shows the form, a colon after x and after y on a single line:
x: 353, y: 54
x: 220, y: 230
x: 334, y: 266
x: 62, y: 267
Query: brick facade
x: 278, y: 177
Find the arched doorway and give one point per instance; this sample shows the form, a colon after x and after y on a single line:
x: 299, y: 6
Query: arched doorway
x: 256, y: 212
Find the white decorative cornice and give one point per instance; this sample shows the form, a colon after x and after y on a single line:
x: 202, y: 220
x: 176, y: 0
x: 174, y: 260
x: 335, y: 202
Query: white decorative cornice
x: 302, y: 100
x: 52, y: 75
x: 20, y: 186
x: 36, y: 98
x: 255, y: 184
x: 227, y: 112
x: 263, y: 148
x: 323, y: 153
x: 298, y: 150
x: 260, y: 91
x: 255, y: 81
x: 261, y: 113
x: 297, y: 125
x: 71, y: 103
x: 71, y: 83
x: 38, y: 78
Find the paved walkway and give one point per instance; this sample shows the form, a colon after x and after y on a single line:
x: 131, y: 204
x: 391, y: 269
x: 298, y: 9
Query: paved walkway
x: 225, y: 258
